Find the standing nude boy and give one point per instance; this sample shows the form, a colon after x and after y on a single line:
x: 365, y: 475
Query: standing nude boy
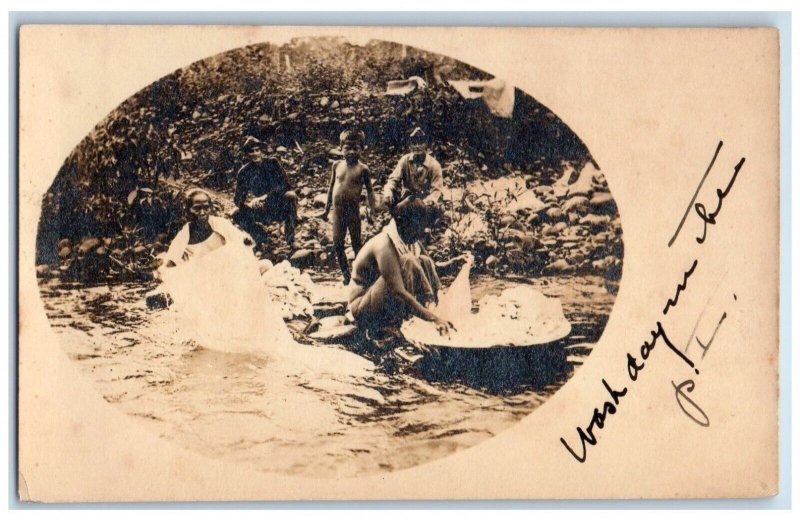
x: 344, y: 195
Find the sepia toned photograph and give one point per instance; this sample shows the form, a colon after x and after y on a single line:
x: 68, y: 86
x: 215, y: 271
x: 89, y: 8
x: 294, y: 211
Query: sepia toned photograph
x: 329, y: 259
x: 290, y: 263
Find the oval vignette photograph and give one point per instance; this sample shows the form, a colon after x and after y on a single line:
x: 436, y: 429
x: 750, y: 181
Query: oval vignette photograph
x: 329, y: 259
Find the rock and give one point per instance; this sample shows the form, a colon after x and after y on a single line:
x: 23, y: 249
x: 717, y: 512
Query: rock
x: 157, y: 300
x: 601, y: 200
x: 573, y: 218
x: 306, y: 191
x: 320, y: 200
x: 42, y: 270
x: 559, y: 266
x: 64, y: 243
x: 550, y: 230
x: 64, y: 252
x: 333, y: 328
x: 264, y: 265
x: 577, y: 204
x: 335, y: 104
x: 543, y: 190
x: 323, y: 101
x: 102, y: 250
x: 594, y: 220
x: 523, y: 239
x: 527, y: 201
x: 554, y: 214
x: 492, y: 262
x: 559, y: 227
x: 576, y: 257
x: 140, y: 249
x: 281, y: 149
x: 302, y: 256
x: 88, y: 244
x: 507, y: 220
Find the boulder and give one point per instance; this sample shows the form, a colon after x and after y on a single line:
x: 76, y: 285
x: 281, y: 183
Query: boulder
x: 576, y: 257
x: 525, y: 202
x: 594, y: 220
x: 549, y: 230
x: 264, y: 265
x: 559, y: 266
x: 333, y: 328
x: 577, y: 204
x: 554, y: 214
x: 600, y: 201
x: 492, y: 262
x: 507, y: 220
x: 320, y: 200
x: 302, y: 257
x: 88, y: 244
x: 64, y: 252
x: 42, y: 270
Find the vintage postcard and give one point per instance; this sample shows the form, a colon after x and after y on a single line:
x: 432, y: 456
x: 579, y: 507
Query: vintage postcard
x: 262, y: 263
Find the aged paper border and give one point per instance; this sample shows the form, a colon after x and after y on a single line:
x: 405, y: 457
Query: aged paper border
x: 559, y: 111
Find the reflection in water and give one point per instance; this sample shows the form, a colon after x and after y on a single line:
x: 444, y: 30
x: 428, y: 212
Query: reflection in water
x: 278, y: 417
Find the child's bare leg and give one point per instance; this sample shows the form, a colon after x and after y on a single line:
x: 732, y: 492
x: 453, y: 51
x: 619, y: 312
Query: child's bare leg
x: 354, y: 225
x: 339, y: 233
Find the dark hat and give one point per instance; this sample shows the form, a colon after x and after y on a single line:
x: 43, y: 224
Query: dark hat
x: 418, y: 136
x: 252, y: 144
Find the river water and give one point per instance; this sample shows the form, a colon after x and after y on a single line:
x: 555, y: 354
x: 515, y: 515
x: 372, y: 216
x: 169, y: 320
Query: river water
x: 368, y: 415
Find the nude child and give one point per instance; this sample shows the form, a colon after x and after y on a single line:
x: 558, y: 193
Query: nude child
x: 348, y: 176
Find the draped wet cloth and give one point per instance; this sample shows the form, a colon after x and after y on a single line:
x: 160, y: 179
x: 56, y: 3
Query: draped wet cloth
x: 419, y: 271
x: 520, y: 316
x: 219, y: 300
x: 222, y: 303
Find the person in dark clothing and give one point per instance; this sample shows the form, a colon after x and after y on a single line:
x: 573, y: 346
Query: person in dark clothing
x: 264, y: 195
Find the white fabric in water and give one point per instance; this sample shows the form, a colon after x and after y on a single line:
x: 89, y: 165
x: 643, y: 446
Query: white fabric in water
x: 455, y: 304
x: 519, y: 316
x: 220, y: 302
